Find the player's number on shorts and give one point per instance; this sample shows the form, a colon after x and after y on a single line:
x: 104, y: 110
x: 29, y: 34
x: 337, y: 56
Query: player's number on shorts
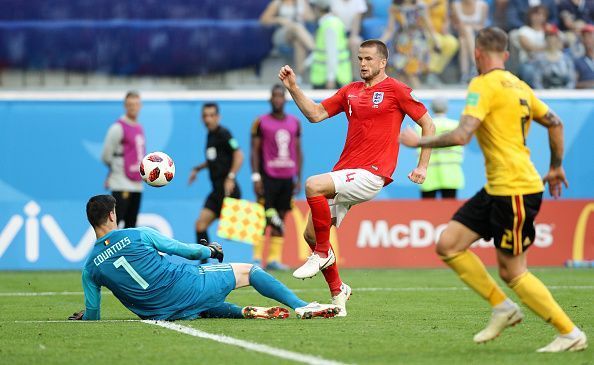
x: 525, y: 118
x: 122, y: 262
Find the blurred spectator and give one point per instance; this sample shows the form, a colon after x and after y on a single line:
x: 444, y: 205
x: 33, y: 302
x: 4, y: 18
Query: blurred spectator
x: 351, y: 12
x: 531, y: 41
x: 123, y: 150
x: 585, y: 65
x: 331, y: 67
x: 518, y: 9
x: 444, y: 174
x: 499, y: 8
x: 446, y: 44
x: 469, y: 17
x: 290, y: 16
x: 575, y: 14
x: 411, y: 58
x: 553, y: 69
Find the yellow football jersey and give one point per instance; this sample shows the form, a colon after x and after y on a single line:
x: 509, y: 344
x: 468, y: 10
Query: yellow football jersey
x: 506, y: 106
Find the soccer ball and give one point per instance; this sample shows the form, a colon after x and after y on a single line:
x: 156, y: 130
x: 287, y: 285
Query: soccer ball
x: 157, y: 169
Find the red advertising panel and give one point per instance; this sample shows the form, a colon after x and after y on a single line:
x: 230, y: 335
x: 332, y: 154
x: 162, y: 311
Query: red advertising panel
x: 403, y: 233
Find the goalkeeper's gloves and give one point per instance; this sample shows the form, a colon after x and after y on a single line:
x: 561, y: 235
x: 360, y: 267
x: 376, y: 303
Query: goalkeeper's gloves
x: 78, y: 316
x: 216, y: 250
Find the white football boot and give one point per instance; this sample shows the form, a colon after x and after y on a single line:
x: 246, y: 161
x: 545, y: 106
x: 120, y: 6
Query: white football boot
x: 564, y: 343
x: 315, y: 309
x: 500, y: 320
x: 341, y: 298
x: 314, y: 265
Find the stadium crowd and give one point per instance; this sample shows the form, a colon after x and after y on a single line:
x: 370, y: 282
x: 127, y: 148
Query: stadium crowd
x: 552, y: 41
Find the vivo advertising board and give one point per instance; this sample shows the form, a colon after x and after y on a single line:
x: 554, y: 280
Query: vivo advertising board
x: 51, y: 165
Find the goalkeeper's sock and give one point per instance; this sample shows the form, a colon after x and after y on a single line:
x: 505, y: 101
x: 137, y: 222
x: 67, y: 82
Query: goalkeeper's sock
x: 224, y: 310
x: 268, y: 286
x: 537, y: 297
x: 471, y: 270
x: 322, y: 221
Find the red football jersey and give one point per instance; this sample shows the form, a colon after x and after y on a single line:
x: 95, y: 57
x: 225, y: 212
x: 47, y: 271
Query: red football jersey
x: 375, y: 115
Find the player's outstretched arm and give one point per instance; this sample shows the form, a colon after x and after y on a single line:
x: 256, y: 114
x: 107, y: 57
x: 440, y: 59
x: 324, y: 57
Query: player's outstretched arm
x: 419, y: 174
x: 92, y: 292
x: 190, y: 251
x: 314, y: 112
x: 456, y: 137
x: 556, y: 175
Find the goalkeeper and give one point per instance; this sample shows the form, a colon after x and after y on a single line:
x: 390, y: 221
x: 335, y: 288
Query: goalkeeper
x: 127, y: 262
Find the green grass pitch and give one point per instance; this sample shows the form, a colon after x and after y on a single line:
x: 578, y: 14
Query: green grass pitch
x: 394, y: 317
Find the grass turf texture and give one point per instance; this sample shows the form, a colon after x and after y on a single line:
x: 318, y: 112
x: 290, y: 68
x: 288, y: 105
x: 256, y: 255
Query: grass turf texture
x: 432, y: 325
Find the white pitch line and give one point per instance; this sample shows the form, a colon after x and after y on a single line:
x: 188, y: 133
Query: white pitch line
x: 41, y: 294
x: 252, y: 346
x: 68, y: 321
x: 428, y: 289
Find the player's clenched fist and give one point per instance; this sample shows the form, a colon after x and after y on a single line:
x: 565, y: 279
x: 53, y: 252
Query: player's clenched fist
x: 287, y: 76
x: 418, y: 175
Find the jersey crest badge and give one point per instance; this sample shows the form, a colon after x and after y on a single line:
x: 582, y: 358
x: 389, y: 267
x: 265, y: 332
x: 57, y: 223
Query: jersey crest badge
x: 106, y: 243
x: 378, y: 97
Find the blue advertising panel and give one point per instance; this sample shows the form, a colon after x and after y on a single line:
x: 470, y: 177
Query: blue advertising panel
x: 51, y: 165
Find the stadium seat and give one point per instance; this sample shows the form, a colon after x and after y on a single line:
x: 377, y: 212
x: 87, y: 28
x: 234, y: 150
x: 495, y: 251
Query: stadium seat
x: 122, y: 37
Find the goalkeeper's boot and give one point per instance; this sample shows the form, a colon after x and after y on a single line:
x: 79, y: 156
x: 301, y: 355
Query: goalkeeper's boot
x: 265, y: 312
x: 569, y: 342
x: 341, y: 298
x: 315, y: 309
x: 500, y: 320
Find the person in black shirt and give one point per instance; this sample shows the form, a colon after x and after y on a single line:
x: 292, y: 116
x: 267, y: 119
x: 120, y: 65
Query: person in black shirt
x: 223, y: 159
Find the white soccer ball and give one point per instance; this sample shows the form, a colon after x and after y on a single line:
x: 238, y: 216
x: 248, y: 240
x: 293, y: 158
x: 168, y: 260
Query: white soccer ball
x: 157, y: 169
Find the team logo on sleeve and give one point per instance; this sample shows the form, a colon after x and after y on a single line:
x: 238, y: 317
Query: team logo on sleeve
x: 106, y: 242
x: 472, y: 99
x: 378, y: 97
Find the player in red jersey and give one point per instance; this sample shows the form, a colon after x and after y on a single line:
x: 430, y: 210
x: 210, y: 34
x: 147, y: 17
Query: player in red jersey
x: 375, y: 108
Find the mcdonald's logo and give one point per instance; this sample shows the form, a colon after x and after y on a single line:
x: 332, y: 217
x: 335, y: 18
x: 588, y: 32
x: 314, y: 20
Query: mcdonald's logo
x: 300, y: 220
x: 579, y: 236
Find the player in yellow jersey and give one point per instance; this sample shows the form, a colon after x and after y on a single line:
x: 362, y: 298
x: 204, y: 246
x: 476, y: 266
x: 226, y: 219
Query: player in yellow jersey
x: 499, y: 109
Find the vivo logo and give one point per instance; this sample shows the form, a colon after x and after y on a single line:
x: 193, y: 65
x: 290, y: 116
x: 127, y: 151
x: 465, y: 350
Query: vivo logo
x: 73, y: 253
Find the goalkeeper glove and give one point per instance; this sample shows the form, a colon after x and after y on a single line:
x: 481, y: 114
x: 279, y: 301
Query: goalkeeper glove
x: 216, y: 250
x: 77, y: 316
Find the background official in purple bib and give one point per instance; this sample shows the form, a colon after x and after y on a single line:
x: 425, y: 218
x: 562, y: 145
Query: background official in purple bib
x: 123, y: 149
x: 276, y: 161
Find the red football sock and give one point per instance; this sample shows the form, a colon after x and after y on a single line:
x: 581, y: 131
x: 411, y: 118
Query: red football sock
x: 333, y: 279
x: 320, y: 214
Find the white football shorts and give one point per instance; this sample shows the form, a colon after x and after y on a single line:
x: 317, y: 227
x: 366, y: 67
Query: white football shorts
x: 353, y: 186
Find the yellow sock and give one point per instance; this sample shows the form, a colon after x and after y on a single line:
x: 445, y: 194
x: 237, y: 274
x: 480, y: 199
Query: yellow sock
x: 258, y: 248
x: 472, y: 271
x: 275, y: 253
x: 537, y: 297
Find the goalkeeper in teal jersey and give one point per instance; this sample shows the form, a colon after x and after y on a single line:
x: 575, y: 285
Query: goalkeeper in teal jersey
x: 127, y: 261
